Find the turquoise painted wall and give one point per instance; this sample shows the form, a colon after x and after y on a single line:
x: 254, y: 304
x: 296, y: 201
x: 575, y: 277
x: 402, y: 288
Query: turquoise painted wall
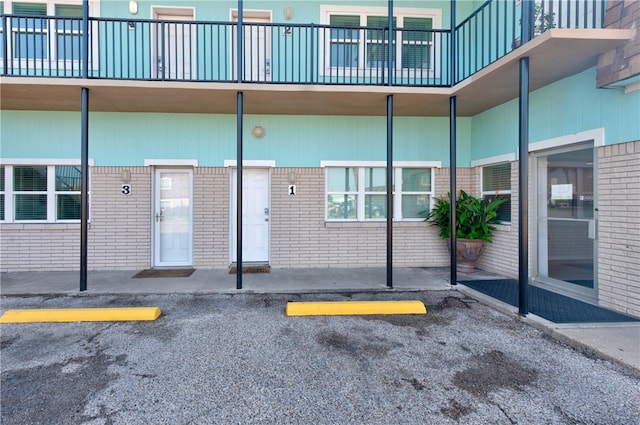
x: 568, y: 106
x: 128, y: 139
x: 304, y: 12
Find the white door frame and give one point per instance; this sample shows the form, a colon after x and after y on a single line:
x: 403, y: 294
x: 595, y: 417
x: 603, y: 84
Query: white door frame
x: 156, y: 219
x: 264, y: 60
x: 259, y: 166
x: 158, y: 58
x: 539, y: 232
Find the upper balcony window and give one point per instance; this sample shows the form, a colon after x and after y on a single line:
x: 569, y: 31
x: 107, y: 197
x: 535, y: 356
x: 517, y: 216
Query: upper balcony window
x: 31, y: 38
x: 43, y: 37
x: 358, y: 42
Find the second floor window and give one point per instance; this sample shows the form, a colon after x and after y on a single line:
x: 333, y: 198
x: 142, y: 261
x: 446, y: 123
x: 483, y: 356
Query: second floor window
x: 359, y: 39
x: 34, y: 36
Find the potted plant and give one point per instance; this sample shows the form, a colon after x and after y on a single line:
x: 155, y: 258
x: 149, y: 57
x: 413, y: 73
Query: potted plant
x: 475, y: 219
x: 541, y: 23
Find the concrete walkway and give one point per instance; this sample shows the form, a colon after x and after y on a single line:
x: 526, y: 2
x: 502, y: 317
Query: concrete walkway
x: 619, y: 342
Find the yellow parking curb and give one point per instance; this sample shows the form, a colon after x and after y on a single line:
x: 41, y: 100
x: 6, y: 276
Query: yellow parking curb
x: 343, y: 308
x: 81, y: 315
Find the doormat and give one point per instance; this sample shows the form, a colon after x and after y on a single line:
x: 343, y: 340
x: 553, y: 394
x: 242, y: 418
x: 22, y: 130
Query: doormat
x: 264, y: 268
x: 164, y: 273
x: 549, y: 305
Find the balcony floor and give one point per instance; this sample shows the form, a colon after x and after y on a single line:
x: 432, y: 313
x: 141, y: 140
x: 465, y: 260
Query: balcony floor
x: 556, y: 54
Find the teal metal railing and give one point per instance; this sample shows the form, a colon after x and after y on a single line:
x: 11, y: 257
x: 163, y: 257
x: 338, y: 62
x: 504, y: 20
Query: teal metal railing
x: 165, y: 50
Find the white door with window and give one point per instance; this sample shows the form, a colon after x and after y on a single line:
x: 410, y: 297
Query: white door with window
x: 173, y: 217
x: 174, y: 43
x: 567, y: 219
x: 255, y: 215
x: 257, y: 45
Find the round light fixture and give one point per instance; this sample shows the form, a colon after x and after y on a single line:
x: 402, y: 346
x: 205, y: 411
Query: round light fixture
x: 258, y: 132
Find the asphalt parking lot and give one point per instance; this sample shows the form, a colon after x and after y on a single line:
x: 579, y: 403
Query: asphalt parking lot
x: 238, y: 359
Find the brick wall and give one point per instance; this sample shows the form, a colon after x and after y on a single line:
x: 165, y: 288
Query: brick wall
x: 119, y: 230
x: 301, y: 238
x: 501, y: 256
x: 39, y: 247
x: 619, y: 227
x: 624, y: 61
x: 211, y: 189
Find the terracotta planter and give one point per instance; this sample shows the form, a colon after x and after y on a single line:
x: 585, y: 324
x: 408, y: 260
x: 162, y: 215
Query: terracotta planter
x: 467, y: 253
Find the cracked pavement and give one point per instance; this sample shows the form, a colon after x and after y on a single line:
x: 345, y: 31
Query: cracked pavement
x: 237, y: 358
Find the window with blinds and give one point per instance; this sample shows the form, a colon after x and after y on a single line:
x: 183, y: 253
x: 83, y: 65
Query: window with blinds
x: 40, y: 193
x: 30, y: 193
x: 68, y: 41
x: 38, y: 38
x: 496, y: 183
x: 30, y: 35
x: 361, y: 41
x: 416, y: 43
x: 345, y: 40
x: 377, y: 47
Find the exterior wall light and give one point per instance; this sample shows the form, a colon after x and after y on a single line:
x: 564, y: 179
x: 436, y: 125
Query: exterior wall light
x: 133, y: 7
x: 288, y: 13
x: 126, y: 176
x: 258, y: 132
x: 292, y: 177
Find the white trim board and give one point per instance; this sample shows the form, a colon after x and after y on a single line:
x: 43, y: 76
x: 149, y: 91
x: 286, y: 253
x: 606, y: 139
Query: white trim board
x: 251, y: 163
x: 507, y: 157
x: 171, y: 162
x: 378, y: 164
x: 43, y: 161
x: 596, y: 134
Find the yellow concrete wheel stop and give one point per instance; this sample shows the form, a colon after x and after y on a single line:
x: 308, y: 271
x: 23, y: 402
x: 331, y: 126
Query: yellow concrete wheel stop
x: 344, y: 308
x: 81, y: 315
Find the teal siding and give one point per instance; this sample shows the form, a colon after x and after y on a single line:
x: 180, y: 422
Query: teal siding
x: 304, y: 11
x: 127, y: 139
x: 31, y: 134
x: 568, y: 106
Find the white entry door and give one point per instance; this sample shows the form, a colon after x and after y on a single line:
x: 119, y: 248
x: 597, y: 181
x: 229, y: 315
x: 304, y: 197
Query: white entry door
x: 174, y: 47
x: 257, y: 46
x: 173, y: 217
x: 255, y: 215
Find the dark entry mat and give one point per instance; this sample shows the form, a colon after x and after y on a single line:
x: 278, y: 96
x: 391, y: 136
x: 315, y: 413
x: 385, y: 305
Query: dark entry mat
x: 549, y: 305
x: 265, y: 268
x: 164, y: 273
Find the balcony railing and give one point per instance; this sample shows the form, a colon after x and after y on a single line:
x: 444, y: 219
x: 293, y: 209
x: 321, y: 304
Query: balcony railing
x: 48, y: 46
x: 495, y: 28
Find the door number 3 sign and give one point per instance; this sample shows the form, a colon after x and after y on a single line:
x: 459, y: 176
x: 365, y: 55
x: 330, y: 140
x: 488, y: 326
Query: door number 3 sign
x: 126, y: 190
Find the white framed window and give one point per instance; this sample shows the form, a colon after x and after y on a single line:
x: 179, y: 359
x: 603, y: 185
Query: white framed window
x: 359, y: 192
x: 47, y: 31
x: 359, y: 43
x: 496, y: 183
x: 33, y: 193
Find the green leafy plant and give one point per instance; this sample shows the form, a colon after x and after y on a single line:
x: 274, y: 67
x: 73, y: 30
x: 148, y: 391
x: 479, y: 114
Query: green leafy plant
x: 475, y: 217
x: 542, y: 21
